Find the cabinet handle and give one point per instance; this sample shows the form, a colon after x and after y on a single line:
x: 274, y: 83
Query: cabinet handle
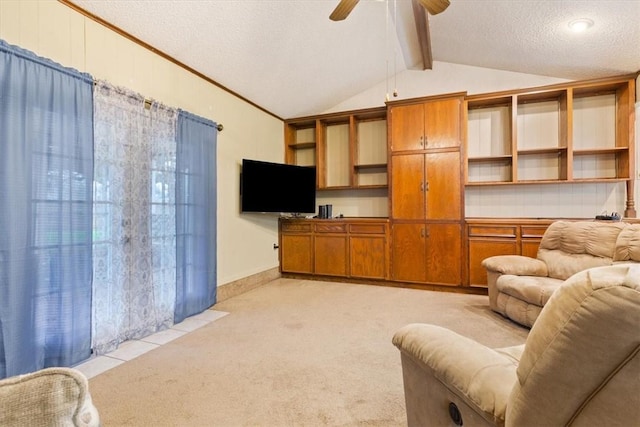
x: 426, y: 231
x: 422, y: 141
x: 422, y: 233
x: 426, y: 188
x: 422, y: 187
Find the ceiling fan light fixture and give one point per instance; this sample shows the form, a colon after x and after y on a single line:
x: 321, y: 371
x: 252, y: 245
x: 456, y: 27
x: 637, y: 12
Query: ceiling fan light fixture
x: 580, y: 25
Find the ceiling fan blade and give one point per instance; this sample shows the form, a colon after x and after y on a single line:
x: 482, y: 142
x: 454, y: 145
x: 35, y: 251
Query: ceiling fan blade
x: 434, y: 7
x: 424, y: 38
x: 343, y: 9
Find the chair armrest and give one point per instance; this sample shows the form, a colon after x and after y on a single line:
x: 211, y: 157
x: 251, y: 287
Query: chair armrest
x: 52, y: 396
x: 475, y: 373
x: 517, y: 265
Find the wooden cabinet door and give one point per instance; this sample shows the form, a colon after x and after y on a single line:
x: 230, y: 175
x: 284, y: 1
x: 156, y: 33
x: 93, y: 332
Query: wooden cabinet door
x: 479, y: 250
x: 442, y: 123
x: 443, y: 200
x: 531, y: 238
x: 407, y: 186
x: 368, y: 256
x: 408, y: 252
x: 331, y: 255
x: 296, y: 253
x: 407, y: 127
x: 444, y: 254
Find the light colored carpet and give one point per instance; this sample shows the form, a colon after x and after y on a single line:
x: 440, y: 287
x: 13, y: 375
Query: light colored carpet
x: 291, y: 353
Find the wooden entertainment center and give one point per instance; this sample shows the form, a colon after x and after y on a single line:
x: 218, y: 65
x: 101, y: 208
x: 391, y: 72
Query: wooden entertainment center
x: 425, y: 152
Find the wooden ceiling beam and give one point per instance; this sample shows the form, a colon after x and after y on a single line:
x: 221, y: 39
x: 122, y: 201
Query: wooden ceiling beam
x: 422, y: 27
x: 343, y: 10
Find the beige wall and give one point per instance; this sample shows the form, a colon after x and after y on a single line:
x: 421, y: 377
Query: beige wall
x: 52, y: 30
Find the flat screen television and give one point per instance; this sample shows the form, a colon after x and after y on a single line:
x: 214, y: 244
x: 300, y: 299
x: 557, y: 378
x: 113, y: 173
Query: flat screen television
x: 277, y: 187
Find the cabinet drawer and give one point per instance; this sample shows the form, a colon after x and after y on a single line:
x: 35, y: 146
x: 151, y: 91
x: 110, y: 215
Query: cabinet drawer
x: 331, y: 228
x: 533, y: 231
x: 492, y: 231
x: 367, y: 228
x: 292, y: 226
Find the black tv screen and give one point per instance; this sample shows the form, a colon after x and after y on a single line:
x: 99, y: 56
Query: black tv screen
x: 277, y: 187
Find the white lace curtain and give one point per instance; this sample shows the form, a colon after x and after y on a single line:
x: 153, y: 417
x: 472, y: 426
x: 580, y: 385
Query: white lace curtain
x: 134, y: 226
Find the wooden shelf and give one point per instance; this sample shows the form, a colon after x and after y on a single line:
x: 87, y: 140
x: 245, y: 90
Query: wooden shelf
x: 552, y: 150
x: 574, y: 132
x: 601, y: 179
x: 365, y: 168
x: 597, y: 151
x: 359, y: 187
x: 302, y: 145
x: 335, y: 187
x: 523, y: 182
x: 506, y: 158
x: 347, y: 148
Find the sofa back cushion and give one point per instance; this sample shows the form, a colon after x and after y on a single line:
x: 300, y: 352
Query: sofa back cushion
x: 570, y: 247
x: 628, y: 244
x: 581, y: 361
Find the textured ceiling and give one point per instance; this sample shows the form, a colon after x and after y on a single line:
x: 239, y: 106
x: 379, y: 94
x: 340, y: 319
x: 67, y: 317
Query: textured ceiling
x: 287, y: 56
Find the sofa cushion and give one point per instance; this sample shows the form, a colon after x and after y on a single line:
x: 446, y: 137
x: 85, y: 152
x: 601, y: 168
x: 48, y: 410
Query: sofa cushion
x: 532, y: 289
x: 602, y: 238
x: 570, y: 247
x: 514, y: 352
x: 628, y: 244
x: 595, y: 238
x: 562, y: 265
x: 517, y: 310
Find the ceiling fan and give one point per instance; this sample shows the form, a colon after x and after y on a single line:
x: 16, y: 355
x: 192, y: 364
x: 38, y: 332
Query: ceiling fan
x: 420, y: 7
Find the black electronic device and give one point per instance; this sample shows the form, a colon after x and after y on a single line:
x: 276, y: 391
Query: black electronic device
x: 604, y: 217
x: 277, y: 187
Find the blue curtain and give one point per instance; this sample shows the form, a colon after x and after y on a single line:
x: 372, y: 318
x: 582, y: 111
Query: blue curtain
x: 195, y: 215
x: 46, y: 174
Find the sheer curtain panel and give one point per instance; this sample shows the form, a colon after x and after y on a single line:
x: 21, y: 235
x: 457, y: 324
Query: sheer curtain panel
x: 134, y: 243
x: 195, y: 215
x: 46, y: 171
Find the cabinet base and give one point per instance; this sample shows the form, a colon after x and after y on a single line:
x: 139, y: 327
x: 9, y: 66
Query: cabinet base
x: 408, y: 285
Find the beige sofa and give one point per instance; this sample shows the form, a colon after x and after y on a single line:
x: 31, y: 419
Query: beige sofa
x: 520, y: 286
x: 580, y: 365
x: 48, y: 397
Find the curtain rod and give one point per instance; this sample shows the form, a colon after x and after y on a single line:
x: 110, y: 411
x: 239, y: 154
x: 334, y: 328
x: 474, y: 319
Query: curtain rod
x: 149, y: 101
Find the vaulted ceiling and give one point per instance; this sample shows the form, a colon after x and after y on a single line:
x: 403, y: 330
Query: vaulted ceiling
x: 287, y: 57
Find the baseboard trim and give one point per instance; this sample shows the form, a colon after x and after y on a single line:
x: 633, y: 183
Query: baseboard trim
x: 475, y: 290
x: 240, y: 286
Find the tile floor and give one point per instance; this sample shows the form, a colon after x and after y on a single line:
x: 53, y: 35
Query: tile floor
x: 131, y: 349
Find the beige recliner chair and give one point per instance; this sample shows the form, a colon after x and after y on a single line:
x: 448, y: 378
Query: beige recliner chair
x: 520, y: 286
x: 48, y: 397
x: 580, y: 365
